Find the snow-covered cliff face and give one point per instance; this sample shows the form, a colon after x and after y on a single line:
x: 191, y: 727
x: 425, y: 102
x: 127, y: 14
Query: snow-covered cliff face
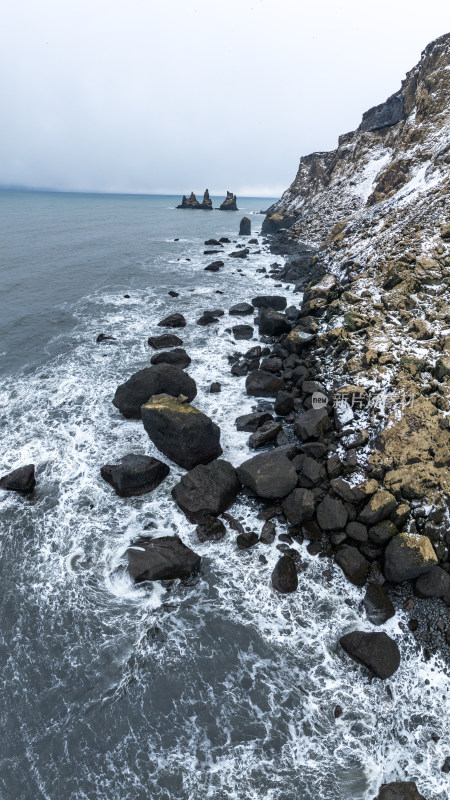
x: 398, y: 158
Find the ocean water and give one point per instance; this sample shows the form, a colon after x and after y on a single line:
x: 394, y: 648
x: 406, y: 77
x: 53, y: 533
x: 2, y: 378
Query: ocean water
x: 213, y: 688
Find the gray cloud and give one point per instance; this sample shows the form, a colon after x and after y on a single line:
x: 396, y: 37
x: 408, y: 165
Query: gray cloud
x: 146, y: 97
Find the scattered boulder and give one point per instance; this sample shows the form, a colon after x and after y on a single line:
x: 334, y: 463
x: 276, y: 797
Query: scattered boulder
x: 284, y: 575
x: 273, y: 323
x: 173, y: 321
x: 408, y: 556
x: 263, y: 384
x: 135, y: 474
x: 207, y: 318
x: 270, y: 475
x: 297, y: 340
x: 268, y: 533
x: 246, y: 540
x: 158, y: 379
x: 377, y: 604
x: 103, y: 337
x: 242, y: 331
x: 240, y: 253
x: 284, y: 403
x: 381, y: 533
x: 376, y: 651
x: 210, y: 529
x: 379, y: 507
x: 264, y: 434
x: 214, y: 266
x: 177, y: 356
x: 353, y: 564
x: 164, y: 341
x: 357, y: 531
x: 161, y: 559
x: 19, y: 480
x: 251, y: 422
x: 331, y: 514
x: 241, y: 309
x: 207, y: 490
x: 399, y: 790
x: 215, y: 387
x: 435, y: 583
x: 299, y: 506
x: 277, y: 302
x: 312, y: 425
x: 181, y: 431
x: 245, y: 227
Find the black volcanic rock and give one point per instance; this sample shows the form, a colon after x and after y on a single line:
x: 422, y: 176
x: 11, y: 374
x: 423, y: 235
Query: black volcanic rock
x: 173, y: 321
x: 284, y: 575
x: 158, y: 379
x: 272, y: 323
x: 161, y: 559
x: 208, y: 489
x: 376, y: 651
x: 214, y: 266
x: 263, y: 384
x: 399, y: 790
x: 245, y: 227
x: 19, y: 480
x: 177, y: 356
x: 274, y: 301
x: 135, y: 474
x: 230, y: 203
x: 193, y: 203
x: 270, y: 475
x: 164, y: 341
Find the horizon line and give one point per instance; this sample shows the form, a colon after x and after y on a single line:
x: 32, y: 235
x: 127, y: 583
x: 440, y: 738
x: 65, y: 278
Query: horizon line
x: 52, y: 190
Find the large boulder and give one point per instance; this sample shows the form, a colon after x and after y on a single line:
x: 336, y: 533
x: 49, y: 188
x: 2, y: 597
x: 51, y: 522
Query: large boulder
x: 376, y: 651
x: 275, y: 301
x: 270, y: 475
x: 176, y: 356
x: 272, y: 323
x: 210, y: 529
x: 164, y: 341
x: 260, y: 383
x: 161, y: 559
x: 242, y: 331
x: 266, y: 433
x: 241, y: 310
x: 284, y: 575
x: 158, y: 379
x: 245, y: 227
x: 208, y: 489
x: 251, y: 422
x: 435, y: 583
x: 399, y: 790
x: 299, y: 506
x: 297, y: 340
x: 173, y: 321
x: 135, y: 474
x: 379, y: 507
x: 181, y: 431
x: 377, y: 604
x: 331, y: 514
x: 312, y: 425
x: 407, y: 556
x: 19, y: 480
x: 353, y: 564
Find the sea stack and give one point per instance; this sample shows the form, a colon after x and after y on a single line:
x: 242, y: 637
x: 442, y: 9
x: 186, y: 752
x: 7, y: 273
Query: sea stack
x: 194, y: 203
x: 230, y: 203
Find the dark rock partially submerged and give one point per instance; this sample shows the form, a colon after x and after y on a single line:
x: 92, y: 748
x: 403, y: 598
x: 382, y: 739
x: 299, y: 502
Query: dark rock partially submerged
x: 161, y: 559
x: 19, y: 480
x: 260, y: 383
x: 284, y: 575
x: 399, y: 790
x: 176, y: 356
x: 376, y: 651
x: 377, y: 604
x: 135, y: 474
x: 270, y: 475
x: 181, y: 431
x: 164, y: 341
x: 210, y: 529
x: 245, y: 227
x: 207, y: 490
x: 173, y: 321
x: 158, y: 379
x: 353, y: 564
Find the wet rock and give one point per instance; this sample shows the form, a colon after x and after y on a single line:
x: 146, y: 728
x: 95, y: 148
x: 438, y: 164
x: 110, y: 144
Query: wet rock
x: 173, y: 294
x: 284, y: 403
x: 212, y: 243
x: 103, y: 337
x: 242, y: 331
x: 161, y: 559
x: 353, y: 564
x: 241, y: 309
x: 158, y: 379
x: 376, y: 651
x: 408, y: 556
x: 207, y: 490
x: 435, y: 583
x: 207, y: 318
x: 181, y: 431
x: 275, y: 301
x: 377, y: 604
x: 20, y: 480
x: 399, y: 790
x: 135, y: 474
x: 210, y: 529
x: 331, y: 514
x: 215, y: 387
x: 357, y: 531
x: 268, y: 533
x: 381, y: 533
x: 270, y: 475
x: 246, y: 540
x: 284, y: 575
x: 173, y: 321
x: 299, y: 506
x: 251, y: 422
x: 245, y: 227
x: 272, y: 323
x: 214, y: 266
x: 177, y: 356
x: 446, y: 765
x: 298, y: 340
x: 164, y: 341
x: 240, y: 253
x: 271, y: 364
x: 265, y: 433
x: 263, y: 384
x: 312, y: 425
x: 379, y: 507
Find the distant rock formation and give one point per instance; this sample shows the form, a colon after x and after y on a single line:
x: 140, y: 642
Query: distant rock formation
x: 229, y: 204
x: 245, y: 228
x: 194, y: 203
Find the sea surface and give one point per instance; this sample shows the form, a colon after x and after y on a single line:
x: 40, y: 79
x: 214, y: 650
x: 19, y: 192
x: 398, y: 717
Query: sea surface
x: 213, y: 688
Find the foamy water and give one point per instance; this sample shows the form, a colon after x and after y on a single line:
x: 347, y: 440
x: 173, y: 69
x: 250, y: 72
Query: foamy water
x: 214, y: 688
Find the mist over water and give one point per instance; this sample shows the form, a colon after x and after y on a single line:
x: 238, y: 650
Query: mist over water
x: 213, y: 688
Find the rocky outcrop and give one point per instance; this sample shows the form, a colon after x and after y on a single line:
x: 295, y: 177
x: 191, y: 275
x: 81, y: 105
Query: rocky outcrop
x: 161, y: 559
x: 245, y: 227
x: 230, y: 203
x: 192, y: 202
x: 181, y: 431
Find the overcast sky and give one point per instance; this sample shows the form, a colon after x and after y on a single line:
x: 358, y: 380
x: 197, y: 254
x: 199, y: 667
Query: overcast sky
x: 180, y: 95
